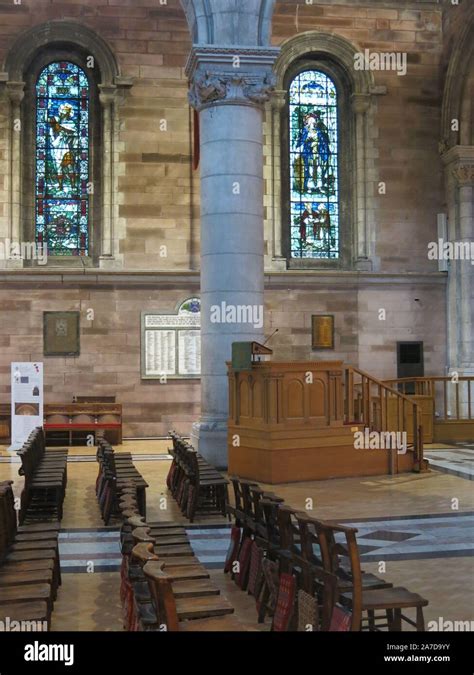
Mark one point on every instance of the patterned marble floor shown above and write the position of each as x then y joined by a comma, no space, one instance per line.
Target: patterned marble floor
406,521
457,462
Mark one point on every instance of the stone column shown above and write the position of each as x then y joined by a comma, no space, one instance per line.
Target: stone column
15,93
459,163
278,102
464,176
107,98
362,245
228,87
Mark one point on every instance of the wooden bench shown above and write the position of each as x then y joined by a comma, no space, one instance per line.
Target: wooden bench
29,566
196,485
45,473
167,544
117,472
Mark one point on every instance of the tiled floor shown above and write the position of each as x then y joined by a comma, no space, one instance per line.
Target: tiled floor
455,461
420,527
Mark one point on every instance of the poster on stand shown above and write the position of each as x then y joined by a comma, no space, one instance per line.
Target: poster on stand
27,401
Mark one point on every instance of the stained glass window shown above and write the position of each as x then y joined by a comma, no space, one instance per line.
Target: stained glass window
314,193
62,159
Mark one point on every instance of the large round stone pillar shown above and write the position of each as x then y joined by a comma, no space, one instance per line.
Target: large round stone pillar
228,88
459,163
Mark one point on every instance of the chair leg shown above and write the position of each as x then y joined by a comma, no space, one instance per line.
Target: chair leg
371,619
264,595
397,621
420,619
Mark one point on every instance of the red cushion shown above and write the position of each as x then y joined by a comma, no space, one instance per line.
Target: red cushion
285,602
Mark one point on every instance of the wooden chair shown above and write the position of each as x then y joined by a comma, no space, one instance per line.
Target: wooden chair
360,600
174,614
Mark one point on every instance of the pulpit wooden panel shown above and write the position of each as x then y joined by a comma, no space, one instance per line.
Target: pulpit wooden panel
289,419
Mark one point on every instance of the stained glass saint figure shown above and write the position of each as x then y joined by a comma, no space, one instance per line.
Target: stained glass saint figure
314,166
62,159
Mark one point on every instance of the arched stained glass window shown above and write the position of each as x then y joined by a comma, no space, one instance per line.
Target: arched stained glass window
314,190
62,160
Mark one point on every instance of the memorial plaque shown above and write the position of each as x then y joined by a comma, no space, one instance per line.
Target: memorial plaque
322,331
171,343
189,350
61,333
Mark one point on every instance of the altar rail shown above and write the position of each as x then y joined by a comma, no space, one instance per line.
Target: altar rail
447,402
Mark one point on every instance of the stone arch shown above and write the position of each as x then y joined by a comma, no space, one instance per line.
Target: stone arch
57,33
333,46
457,90
234,22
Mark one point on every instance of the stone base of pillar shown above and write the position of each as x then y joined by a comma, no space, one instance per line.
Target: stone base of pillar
279,264
364,265
108,262
210,438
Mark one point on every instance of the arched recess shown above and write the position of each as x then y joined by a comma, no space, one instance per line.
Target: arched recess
336,56
229,21
458,89
33,49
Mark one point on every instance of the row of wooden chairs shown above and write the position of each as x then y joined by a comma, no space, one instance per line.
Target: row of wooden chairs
45,473
299,567
116,470
196,485
164,587
29,566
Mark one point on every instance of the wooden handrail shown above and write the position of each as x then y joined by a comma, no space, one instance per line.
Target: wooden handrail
360,408
452,404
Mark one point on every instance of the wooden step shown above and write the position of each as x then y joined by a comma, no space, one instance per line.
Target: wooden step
167,551
183,572
192,588
200,608
27,593
9,576
180,560
25,611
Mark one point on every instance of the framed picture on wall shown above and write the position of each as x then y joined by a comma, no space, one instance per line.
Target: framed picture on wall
322,331
61,334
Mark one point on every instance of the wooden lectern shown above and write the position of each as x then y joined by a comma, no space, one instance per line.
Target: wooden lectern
286,423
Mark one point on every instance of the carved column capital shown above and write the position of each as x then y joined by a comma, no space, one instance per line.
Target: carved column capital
226,76
360,103
278,99
15,91
464,175
107,94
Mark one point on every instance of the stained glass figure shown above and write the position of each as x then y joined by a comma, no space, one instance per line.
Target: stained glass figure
62,159
314,193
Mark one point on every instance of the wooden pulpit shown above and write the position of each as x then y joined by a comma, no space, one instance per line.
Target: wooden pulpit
286,423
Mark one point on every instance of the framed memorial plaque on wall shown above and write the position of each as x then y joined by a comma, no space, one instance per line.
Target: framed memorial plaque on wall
171,343
322,327
61,333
